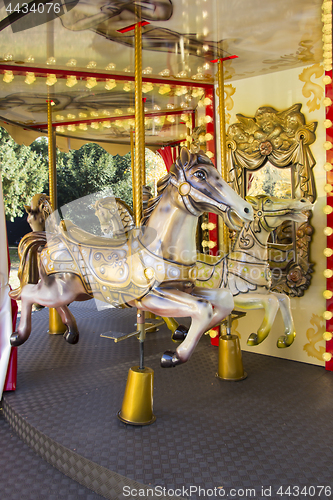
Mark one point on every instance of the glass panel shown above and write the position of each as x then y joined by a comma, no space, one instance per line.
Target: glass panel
269,180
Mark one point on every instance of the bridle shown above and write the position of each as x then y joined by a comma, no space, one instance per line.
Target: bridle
261,214
189,193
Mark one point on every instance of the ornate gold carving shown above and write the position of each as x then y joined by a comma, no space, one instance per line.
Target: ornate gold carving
310,87
229,91
315,335
279,139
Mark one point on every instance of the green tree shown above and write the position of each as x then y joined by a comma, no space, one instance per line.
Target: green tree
89,170
23,174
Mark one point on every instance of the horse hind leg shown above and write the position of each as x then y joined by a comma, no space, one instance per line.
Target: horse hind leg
71,334
251,301
289,335
24,328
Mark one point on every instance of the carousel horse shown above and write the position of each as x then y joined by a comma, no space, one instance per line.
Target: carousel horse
153,268
245,270
38,211
114,215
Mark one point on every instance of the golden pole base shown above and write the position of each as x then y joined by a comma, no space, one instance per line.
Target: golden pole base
137,407
230,366
56,326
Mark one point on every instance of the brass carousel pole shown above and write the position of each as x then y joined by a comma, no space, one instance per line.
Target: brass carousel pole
230,364
56,326
137,406
222,228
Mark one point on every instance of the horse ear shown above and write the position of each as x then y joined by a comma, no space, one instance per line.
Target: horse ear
185,156
27,209
252,199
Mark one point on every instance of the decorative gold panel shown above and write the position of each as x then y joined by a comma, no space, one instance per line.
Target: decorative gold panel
270,154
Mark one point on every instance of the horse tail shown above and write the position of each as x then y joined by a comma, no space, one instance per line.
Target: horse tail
28,252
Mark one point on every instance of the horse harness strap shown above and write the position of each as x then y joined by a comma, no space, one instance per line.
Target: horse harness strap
261,214
186,190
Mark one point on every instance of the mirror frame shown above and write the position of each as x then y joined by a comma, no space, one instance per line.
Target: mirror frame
283,139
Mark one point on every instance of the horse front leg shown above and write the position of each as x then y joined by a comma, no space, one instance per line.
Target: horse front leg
170,303
268,302
289,334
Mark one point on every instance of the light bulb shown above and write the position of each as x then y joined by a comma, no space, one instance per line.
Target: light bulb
71,80
91,82
51,80
327,336
110,84
30,78
8,76
327,356
327,315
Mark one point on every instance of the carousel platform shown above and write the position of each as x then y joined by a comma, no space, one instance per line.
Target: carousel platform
211,438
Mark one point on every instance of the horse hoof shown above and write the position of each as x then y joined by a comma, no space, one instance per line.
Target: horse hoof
71,337
253,339
16,339
285,341
179,334
169,359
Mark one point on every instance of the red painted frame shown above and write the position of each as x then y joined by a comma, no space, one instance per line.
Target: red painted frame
329,158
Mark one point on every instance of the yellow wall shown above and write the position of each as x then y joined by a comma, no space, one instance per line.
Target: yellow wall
281,90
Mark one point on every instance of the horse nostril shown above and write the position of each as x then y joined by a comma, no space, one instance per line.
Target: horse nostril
246,210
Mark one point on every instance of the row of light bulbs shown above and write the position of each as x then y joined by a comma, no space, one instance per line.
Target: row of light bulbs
110,84
328,231
200,75
327,34
125,124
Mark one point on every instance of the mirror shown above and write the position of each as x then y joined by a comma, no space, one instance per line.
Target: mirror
270,154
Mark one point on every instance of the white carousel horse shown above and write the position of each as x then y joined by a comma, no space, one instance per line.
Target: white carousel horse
245,270
155,274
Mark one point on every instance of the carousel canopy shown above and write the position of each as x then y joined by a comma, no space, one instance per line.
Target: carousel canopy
80,54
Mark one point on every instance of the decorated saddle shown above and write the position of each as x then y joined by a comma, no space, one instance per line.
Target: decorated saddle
116,271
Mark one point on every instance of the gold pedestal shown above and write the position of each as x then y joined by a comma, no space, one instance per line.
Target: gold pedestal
56,326
230,365
137,407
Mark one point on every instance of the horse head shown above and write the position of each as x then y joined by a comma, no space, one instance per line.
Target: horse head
270,212
38,211
202,189
107,213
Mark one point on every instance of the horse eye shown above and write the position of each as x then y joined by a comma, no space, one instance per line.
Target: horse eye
200,174
267,202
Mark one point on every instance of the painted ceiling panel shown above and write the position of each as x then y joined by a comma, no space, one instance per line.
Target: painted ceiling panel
179,43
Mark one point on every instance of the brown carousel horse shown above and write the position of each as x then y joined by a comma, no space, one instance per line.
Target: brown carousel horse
153,269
